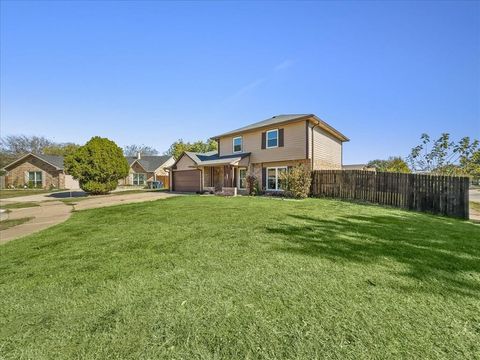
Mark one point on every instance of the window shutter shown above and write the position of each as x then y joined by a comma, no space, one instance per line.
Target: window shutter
280,137
264,178
44,179
235,175
264,140
25,178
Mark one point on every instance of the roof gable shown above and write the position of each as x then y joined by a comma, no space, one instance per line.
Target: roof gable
54,160
149,162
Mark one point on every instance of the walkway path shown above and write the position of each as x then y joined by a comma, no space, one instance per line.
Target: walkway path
51,213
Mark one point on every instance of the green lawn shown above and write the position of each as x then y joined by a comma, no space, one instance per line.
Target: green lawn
6,224
20,205
475,206
5,194
243,278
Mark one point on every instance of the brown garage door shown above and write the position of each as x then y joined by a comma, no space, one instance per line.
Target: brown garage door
187,180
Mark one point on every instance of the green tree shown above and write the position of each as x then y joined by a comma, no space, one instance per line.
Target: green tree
180,146
392,164
97,165
444,156
63,149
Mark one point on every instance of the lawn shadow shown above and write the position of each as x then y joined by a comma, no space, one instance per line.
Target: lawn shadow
440,251
67,194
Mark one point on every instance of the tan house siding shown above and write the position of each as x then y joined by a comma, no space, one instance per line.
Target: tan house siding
327,150
51,177
294,144
163,170
185,163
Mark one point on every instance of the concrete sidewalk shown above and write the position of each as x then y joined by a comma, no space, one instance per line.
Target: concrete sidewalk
47,214
51,213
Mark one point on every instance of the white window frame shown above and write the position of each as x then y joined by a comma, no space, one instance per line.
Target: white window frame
241,144
266,139
239,179
276,177
138,184
35,179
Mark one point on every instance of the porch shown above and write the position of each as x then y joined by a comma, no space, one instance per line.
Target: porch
225,179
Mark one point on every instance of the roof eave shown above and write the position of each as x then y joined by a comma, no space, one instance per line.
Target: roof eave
23,157
235,132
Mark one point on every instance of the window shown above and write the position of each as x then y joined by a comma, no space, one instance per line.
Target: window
237,144
272,138
242,178
35,179
274,181
139,179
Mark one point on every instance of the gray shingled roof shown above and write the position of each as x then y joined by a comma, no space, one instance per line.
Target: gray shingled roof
149,162
213,158
281,119
273,120
55,160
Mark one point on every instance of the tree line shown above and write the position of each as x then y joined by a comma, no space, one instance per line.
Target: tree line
442,156
14,146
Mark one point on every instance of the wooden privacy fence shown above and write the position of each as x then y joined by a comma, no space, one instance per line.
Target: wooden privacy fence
445,195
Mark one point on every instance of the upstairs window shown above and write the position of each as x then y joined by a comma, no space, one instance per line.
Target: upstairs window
237,144
272,138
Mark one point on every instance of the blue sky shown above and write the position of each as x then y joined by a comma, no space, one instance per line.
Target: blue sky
152,72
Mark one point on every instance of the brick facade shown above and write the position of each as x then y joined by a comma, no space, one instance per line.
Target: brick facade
51,177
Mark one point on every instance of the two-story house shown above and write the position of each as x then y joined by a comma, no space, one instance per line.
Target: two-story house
264,149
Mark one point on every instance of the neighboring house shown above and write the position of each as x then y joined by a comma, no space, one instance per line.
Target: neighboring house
146,169
39,171
358,167
47,171
264,149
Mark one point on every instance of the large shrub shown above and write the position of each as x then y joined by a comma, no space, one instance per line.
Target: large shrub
297,181
97,165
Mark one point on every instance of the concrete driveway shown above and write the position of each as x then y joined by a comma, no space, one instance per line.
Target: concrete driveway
51,213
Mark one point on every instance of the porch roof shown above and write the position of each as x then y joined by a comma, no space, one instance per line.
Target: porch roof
212,159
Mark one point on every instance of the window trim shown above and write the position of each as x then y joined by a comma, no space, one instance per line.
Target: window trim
239,178
145,179
241,144
276,177
35,179
266,139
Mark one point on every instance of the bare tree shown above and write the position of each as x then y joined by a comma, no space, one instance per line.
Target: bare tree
133,150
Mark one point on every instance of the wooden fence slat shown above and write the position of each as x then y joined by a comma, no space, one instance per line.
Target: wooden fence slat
446,195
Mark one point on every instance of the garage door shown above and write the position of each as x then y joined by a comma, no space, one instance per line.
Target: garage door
188,180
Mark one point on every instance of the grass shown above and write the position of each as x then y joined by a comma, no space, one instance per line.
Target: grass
6,224
5,194
475,206
243,278
19,205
